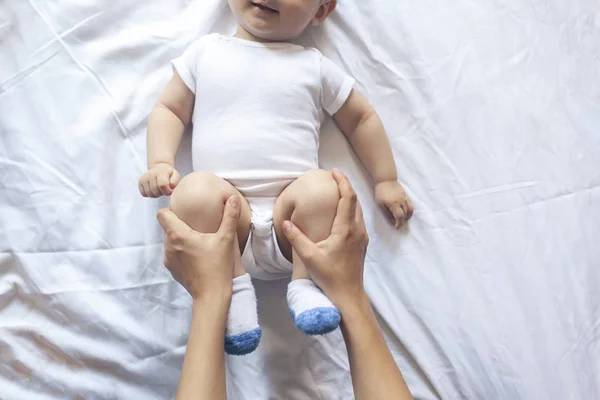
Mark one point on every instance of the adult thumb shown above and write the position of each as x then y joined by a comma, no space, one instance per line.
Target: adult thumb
231,216
303,245
169,221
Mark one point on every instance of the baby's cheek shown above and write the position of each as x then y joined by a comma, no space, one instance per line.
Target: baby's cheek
298,15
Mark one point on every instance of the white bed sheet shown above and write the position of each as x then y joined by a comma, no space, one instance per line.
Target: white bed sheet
491,292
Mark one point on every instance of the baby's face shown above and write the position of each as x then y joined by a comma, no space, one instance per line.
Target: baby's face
279,20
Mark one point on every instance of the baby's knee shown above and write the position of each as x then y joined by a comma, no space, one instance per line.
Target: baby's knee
199,200
319,194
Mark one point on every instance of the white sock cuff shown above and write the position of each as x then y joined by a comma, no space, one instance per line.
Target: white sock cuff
242,311
304,295
241,283
301,284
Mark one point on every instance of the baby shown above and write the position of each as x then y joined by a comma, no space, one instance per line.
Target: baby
256,103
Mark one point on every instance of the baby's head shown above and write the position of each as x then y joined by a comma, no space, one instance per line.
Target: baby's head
280,20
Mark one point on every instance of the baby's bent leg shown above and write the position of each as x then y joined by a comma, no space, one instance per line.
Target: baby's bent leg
311,203
199,200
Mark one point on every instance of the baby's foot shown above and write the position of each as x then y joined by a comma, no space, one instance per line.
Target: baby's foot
243,333
311,310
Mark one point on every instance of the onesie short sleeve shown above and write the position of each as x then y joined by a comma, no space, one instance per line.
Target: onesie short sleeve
186,65
336,86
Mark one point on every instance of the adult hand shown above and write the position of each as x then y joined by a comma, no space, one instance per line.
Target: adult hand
336,264
202,263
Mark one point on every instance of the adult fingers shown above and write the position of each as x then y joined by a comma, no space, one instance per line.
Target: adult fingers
360,228
164,186
231,216
170,222
305,248
359,220
346,211
398,213
174,179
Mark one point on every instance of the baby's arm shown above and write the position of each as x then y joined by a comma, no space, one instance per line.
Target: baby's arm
363,128
171,114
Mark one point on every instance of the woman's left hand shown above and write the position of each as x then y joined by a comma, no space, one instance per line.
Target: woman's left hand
202,263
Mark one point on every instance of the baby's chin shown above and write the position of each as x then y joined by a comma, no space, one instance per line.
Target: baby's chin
268,33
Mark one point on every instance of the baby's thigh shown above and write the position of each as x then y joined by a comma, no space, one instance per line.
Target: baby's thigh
311,203
199,200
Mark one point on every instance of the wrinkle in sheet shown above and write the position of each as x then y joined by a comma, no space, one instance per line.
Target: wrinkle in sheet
537,203
5,27
97,289
94,77
419,369
66,33
89,250
57,359
96,331
498,189
428,339
8,84
53,171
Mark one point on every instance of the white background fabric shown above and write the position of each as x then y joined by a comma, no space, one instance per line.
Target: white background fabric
491,292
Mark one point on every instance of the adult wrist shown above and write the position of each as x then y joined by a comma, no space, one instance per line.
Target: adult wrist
215,299
351,302
356,312
211,310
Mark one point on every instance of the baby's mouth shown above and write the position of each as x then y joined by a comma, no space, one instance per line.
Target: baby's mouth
264,7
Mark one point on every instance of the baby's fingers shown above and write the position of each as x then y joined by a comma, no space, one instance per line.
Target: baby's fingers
153,187
404,206
163,184
141,188
145,188
398,213
409,209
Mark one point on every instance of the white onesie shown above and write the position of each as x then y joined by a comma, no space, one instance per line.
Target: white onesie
256,122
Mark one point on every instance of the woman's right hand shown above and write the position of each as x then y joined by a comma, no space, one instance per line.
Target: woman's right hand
336,264
159,180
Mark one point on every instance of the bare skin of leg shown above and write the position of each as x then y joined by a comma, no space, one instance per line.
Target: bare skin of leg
199,200
310,202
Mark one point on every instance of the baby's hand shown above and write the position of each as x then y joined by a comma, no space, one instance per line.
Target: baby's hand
391,195
160,179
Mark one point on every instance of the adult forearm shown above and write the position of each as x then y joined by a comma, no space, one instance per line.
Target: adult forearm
165,131
371,143
375,374
203,374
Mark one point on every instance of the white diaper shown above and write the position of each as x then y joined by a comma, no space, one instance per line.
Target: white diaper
262,258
